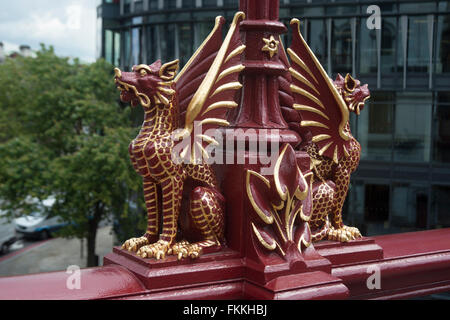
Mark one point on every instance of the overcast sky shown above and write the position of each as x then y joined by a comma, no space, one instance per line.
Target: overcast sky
68,25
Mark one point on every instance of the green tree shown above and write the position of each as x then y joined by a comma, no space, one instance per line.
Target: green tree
63,134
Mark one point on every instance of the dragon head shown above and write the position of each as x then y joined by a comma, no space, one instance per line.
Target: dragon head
352,92
147,84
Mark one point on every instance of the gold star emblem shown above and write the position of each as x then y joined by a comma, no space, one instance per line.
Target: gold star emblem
271,46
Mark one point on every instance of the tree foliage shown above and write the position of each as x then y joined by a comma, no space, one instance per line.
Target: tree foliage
64,135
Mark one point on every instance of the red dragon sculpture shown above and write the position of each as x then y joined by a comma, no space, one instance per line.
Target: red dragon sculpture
180,108
318,109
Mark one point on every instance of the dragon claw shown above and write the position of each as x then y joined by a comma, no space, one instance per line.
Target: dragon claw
185,249
133,244
159,250
155,250
344,234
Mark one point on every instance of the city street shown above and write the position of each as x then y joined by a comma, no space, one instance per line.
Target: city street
54,254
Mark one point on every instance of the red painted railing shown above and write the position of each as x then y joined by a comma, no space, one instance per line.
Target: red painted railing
409,265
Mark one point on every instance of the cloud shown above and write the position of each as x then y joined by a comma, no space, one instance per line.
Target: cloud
69,26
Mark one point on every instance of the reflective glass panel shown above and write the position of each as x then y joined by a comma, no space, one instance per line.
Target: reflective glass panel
375,127
153,4
136,46
317,39
151,44
127,49
116,49
388,40
126,6
109,46
341,46
368,49
442,129
418,44
441,203
417,7
209,3
185,42
412,126
443,44
167,42
409,206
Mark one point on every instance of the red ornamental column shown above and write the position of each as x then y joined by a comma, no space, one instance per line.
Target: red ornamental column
260,106
259,117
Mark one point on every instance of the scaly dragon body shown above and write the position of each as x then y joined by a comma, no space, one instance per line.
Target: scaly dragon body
171,145
319,111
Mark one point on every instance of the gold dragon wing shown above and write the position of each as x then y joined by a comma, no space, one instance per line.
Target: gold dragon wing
323,110
207,87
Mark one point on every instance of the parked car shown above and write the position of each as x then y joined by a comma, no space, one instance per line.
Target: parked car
37,225
7,234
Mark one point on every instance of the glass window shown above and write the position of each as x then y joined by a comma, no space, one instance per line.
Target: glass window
368,50
442,129
388,41
158,17
209,3
185,43
170,4
313,11
153,4
418,44
417,7
341,10
355,209
136,34
376,205
188,4
152,43
443,44
375,127
127,49
412,126
441,203
384,7
109,46
409,206
341,46
116,49
317,38
168,42
136,20
202,30
138,6
400,47
204,15
444,6
230,3
126,6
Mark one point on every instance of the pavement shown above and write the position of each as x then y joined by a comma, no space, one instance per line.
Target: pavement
55,254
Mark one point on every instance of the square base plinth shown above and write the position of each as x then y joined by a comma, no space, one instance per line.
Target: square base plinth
221,275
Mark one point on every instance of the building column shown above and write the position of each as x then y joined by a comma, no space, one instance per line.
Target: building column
353,32
430,48
404,23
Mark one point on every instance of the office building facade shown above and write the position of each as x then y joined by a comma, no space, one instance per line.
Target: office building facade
403,182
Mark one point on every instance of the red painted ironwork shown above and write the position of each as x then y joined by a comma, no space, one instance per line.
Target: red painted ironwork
411,265
268,252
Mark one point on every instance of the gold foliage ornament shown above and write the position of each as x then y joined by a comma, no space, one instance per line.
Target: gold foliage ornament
282,204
